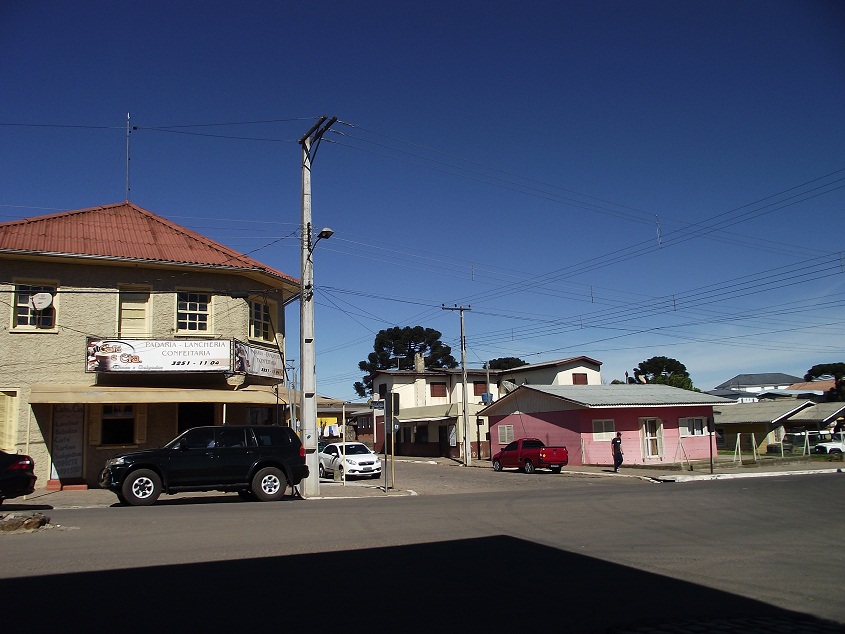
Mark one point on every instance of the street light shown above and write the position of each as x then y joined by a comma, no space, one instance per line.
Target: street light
326,233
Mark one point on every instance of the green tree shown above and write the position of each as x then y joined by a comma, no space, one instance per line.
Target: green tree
664,371
394,348
504,363
837,371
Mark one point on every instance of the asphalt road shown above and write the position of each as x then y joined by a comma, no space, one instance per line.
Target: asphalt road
474,551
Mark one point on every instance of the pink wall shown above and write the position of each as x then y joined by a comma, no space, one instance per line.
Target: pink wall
570,427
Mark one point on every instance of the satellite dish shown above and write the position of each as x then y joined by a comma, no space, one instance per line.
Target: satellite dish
508,386
40,301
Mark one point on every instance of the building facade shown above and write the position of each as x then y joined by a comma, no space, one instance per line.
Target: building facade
123,329
659,424
429,418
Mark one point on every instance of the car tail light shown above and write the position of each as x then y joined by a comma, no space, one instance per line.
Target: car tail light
301,451
23,463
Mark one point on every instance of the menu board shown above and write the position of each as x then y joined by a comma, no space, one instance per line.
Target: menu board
68,428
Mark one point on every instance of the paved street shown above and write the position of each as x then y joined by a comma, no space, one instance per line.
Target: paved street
590,553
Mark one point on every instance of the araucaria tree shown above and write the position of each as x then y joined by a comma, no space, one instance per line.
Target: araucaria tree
396,347
504,363
837,371
664,371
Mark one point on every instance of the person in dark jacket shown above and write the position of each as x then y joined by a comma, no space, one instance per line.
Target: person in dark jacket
616,448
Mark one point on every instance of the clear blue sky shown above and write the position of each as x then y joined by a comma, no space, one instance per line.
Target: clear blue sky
620,180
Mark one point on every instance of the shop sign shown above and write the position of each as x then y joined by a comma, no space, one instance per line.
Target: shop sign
156,355
258,361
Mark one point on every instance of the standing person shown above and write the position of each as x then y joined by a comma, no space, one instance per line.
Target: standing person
616,448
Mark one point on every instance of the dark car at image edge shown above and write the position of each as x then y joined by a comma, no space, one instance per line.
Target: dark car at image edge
17,475
256,461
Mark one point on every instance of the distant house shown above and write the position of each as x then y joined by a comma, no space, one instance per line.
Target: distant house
817,417
759,382
817,391
330,418
752,426
659,423
431,416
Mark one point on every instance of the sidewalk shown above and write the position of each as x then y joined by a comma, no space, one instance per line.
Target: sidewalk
723,469
42,499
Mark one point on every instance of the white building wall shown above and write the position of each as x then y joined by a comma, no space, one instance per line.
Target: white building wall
561,375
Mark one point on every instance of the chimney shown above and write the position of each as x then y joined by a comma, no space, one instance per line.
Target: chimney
419,362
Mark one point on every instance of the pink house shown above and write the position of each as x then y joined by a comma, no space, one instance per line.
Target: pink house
659,424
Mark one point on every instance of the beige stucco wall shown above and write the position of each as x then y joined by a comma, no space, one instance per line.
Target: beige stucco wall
560,375
86,304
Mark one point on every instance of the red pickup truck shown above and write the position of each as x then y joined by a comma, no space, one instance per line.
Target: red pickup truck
528,454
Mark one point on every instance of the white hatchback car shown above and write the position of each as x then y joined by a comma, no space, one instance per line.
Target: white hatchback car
353,458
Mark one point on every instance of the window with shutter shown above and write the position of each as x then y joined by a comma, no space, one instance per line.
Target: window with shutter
505,434
134,312
8,407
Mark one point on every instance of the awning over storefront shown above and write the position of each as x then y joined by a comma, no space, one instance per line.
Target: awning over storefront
434,413
249,395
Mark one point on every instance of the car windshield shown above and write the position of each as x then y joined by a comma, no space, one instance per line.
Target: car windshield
351,450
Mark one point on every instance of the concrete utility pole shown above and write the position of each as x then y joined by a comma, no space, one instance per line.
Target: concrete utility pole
307,365
467,458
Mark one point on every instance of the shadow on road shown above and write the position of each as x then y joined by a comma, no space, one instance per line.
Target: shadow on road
478,585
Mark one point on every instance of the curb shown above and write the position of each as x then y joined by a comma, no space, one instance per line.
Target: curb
734,476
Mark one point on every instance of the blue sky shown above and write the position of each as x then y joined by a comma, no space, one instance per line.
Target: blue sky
620,180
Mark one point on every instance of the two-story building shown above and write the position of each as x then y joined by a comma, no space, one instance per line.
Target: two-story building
124,329
431,403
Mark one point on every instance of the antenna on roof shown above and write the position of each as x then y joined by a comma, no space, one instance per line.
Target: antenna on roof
127,157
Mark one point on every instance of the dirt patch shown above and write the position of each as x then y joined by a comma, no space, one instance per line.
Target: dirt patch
23,522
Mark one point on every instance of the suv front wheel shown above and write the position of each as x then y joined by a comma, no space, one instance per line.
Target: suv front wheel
141,488
269,484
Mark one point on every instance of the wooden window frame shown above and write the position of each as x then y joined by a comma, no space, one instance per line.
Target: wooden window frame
36,320
189,298
262,325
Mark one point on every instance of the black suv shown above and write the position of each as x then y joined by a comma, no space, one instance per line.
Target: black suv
256,461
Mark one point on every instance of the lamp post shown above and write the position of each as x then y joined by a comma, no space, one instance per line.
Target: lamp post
310,486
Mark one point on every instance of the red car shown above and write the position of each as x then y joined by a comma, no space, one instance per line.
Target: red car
17,475
528,454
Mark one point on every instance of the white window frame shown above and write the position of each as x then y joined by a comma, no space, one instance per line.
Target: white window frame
693,426
652,445
24,290
193,297
505,433
265,322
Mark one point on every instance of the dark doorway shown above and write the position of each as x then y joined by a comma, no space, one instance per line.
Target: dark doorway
443,440
195,415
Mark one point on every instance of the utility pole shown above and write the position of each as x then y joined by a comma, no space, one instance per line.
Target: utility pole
290,364
127,157
461,309
307,365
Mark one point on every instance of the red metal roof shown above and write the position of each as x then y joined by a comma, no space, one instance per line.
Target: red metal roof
123,231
